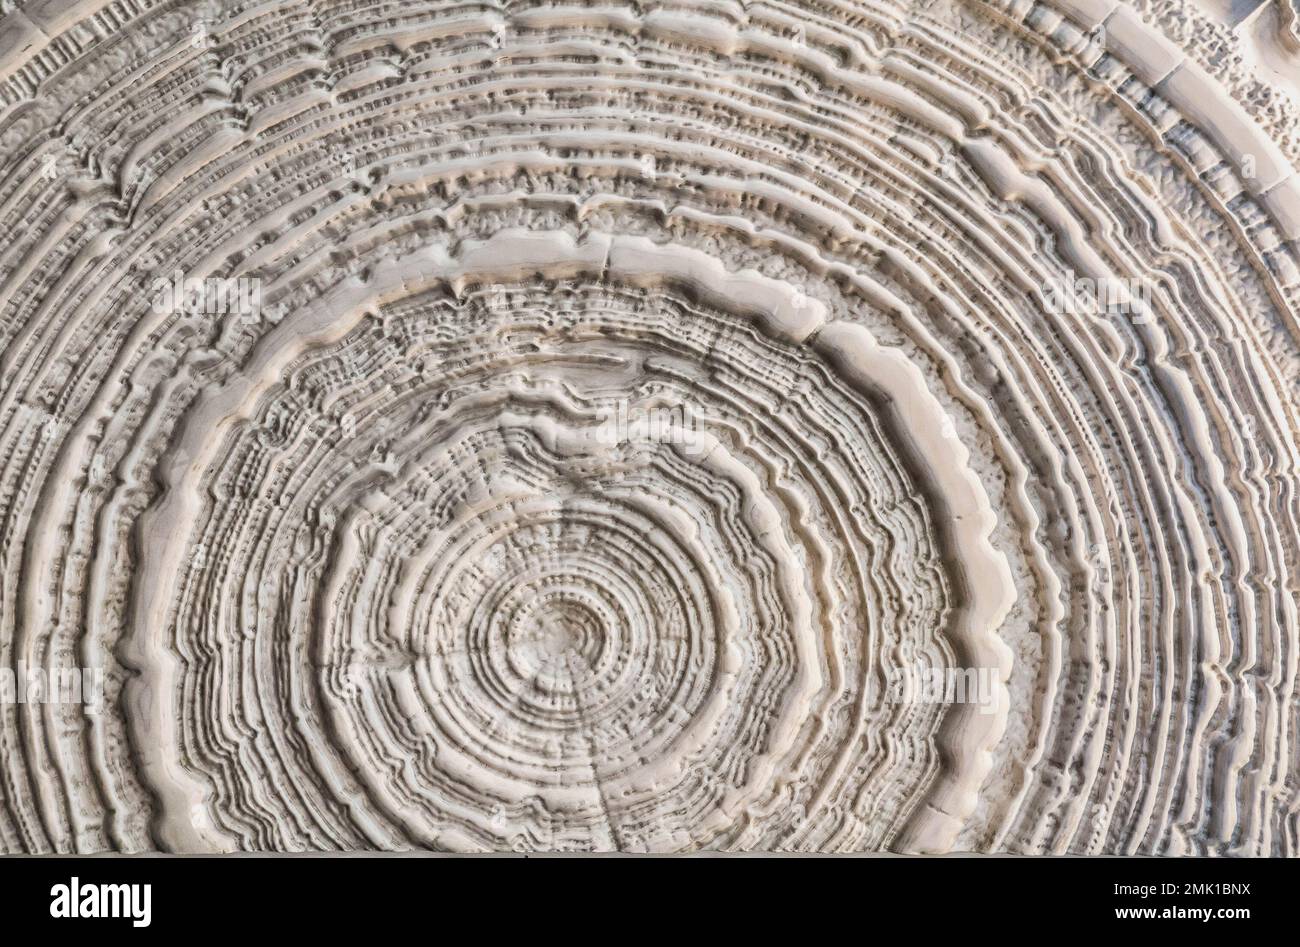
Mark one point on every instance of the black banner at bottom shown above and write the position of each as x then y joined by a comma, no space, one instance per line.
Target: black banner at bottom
771,895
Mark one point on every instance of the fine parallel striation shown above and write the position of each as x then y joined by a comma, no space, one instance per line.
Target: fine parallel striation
560,426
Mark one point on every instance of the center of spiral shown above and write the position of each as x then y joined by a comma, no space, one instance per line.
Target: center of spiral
563,630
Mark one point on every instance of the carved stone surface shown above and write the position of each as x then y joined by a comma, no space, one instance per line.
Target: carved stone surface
818,426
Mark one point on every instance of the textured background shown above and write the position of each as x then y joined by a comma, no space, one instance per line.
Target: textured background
623,398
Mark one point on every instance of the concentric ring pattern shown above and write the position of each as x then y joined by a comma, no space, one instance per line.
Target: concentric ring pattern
560,426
